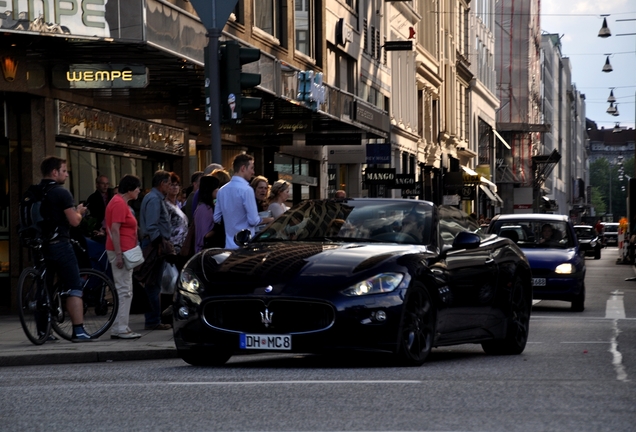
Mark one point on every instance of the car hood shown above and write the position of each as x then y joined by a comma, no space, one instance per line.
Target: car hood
549,258
294,268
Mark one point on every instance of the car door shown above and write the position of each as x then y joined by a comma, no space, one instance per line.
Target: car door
471,276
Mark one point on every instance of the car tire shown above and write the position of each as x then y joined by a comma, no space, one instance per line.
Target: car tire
205,357
417,329
518,325
578,303
597,254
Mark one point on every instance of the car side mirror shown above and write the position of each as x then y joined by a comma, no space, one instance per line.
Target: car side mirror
243,237
466,240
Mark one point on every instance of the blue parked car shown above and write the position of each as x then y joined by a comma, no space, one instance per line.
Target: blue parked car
553,251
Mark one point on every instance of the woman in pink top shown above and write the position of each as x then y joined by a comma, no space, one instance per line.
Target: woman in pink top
121,230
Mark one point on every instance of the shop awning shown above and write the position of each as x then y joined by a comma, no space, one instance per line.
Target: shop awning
491,195
493,187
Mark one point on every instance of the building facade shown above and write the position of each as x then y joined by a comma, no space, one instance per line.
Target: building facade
483,103
411,89
519,119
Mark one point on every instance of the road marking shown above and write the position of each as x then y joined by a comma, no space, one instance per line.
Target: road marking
617,357
298,382
587,342
615,308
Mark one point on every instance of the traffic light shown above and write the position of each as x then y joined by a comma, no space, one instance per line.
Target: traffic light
310,89
232,80
305,86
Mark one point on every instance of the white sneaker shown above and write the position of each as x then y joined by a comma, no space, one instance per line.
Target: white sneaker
129,335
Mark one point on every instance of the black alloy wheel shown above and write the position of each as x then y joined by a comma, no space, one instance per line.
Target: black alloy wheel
417,329
518,323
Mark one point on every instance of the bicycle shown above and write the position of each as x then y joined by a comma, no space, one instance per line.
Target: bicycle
42,308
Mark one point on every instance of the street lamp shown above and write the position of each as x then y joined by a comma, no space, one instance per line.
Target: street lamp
607,67
604,31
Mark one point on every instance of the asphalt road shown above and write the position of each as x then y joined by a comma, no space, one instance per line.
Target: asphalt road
577,373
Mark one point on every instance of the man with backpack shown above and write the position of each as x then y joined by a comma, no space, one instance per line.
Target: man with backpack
59,212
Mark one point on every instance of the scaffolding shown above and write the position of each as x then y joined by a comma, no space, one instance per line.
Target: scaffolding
519,119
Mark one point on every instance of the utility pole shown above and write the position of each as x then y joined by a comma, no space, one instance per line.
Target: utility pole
214,14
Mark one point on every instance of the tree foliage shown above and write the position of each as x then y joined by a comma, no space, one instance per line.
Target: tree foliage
597,201
602,176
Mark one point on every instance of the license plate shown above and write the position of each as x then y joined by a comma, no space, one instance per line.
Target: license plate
538,281
265,342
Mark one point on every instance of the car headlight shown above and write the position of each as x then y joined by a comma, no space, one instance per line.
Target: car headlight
189,282
565,268
381,283
593,243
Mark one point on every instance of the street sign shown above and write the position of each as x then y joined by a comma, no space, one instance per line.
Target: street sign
380,176
214,13
404,181
379,153
398,45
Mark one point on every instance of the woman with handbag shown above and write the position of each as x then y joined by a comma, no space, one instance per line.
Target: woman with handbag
207,233
121,229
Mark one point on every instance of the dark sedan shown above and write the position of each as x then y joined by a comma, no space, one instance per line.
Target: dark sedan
386,275
552,249
589,240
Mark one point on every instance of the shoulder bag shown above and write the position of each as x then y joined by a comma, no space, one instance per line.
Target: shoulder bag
133,257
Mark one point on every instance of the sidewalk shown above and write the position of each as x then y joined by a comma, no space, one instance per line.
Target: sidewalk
17,350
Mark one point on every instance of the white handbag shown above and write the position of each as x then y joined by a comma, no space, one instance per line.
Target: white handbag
133,257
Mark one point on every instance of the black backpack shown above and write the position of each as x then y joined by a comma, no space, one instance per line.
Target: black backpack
33,224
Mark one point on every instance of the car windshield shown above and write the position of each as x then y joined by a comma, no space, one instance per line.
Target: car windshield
610,228
536,233
585,232
407,222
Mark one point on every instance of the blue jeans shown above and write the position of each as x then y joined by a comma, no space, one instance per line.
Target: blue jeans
61,260
153,289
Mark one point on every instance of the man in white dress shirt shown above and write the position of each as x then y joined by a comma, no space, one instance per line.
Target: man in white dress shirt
235,202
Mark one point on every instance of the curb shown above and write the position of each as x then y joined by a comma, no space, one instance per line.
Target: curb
86,357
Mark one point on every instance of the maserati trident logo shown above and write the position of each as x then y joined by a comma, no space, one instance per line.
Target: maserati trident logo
266,317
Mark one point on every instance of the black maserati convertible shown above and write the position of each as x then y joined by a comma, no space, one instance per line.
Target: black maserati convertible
386,275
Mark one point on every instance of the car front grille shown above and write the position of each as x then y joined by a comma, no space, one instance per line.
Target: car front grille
542,272
288,316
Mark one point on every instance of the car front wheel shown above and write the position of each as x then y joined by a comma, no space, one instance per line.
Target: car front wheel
578,304
518,323
205,357
417,328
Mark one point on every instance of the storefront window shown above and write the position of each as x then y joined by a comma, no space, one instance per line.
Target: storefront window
302,173
84,166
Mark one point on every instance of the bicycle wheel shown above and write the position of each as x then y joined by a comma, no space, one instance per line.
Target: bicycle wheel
100,305
33,306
